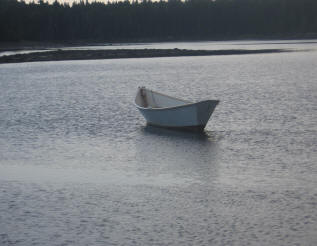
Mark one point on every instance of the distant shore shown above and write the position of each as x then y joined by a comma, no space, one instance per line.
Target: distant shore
63,55
36,45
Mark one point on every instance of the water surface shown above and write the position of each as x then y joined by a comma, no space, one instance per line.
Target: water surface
79,166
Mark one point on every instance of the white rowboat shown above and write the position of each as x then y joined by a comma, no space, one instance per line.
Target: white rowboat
166,111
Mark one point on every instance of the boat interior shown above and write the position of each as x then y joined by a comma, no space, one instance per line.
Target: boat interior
149,99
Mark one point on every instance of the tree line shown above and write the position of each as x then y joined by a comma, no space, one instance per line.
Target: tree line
159,20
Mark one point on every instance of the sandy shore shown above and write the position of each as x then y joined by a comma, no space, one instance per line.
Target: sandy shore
61,55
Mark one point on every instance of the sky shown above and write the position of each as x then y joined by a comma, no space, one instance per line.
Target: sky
67,1
71,1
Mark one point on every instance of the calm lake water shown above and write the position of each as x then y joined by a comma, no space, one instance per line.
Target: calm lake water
78,165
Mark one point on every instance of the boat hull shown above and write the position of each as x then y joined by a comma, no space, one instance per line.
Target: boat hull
186,117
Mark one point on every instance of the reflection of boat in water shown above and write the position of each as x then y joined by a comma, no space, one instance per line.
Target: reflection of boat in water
166,111
200,136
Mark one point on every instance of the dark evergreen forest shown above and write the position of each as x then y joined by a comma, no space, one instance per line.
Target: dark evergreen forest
163,20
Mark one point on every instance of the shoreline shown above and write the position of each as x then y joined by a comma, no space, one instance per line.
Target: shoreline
34,45
65,55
